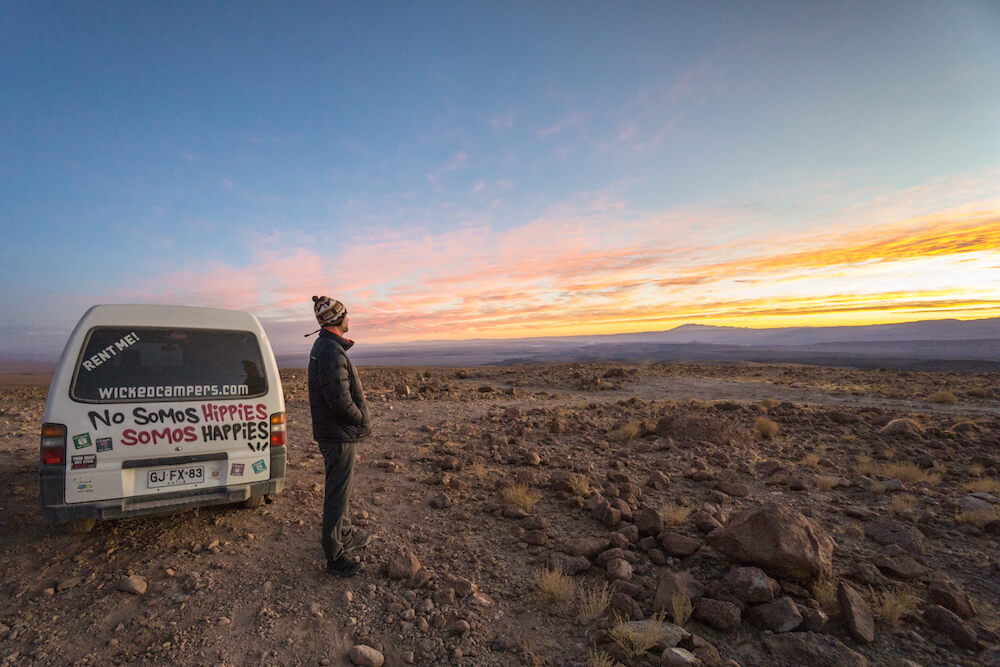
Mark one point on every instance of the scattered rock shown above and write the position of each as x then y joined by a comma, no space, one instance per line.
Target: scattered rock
679,657
751,584
587,547
812,649
133,584
779,539
403,565
567,563
361,654
950,625
857,613
675,582
618,568
943,591
886,531
718,614
682,546
780,615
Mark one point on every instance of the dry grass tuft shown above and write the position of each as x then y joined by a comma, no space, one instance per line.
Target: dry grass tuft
977,392
555,586
599,659
825,591
768,403
539,654
579,484
765,428
522,496
478,470
903,502
593,602
907,472
825,482
979,517
866,465
810,460
627,431
945,397
976,470
986,485
894,605
674,515
681,608
634,643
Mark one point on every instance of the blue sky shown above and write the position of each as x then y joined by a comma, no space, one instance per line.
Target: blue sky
496,170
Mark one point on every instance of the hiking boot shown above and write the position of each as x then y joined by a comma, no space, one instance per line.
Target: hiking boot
357,540
344,566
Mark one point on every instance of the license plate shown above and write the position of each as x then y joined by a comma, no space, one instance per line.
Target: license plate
176,476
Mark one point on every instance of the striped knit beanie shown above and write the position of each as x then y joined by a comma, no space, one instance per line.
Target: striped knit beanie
328,311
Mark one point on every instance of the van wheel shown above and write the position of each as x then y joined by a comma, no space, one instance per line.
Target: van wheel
253,501
80,526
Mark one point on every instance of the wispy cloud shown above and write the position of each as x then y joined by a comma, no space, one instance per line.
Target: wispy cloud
454,163
596,265
573,120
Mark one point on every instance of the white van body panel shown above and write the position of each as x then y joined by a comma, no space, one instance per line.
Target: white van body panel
135,443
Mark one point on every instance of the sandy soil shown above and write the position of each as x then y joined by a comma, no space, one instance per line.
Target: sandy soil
235,586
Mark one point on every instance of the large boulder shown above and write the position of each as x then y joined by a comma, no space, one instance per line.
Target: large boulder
778,539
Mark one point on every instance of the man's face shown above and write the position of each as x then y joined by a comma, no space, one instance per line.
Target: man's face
346,325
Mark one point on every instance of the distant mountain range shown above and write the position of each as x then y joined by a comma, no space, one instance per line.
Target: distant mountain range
969,345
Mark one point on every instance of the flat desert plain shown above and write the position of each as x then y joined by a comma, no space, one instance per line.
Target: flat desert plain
568,514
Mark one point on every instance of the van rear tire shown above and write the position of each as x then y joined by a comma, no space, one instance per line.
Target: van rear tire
253,502
80,526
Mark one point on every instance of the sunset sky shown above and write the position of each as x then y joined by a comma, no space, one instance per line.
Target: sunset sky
497,170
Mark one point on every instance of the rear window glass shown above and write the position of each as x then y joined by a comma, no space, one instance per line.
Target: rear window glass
125,364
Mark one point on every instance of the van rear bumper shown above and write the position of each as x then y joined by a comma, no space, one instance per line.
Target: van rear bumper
55,510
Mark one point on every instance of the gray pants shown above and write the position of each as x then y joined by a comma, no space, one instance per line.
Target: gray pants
339,458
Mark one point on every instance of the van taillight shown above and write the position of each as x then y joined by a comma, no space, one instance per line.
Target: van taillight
278,429
53,444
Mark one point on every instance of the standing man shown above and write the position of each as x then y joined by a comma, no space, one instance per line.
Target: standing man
340,419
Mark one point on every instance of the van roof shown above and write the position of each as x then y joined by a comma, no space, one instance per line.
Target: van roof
164,316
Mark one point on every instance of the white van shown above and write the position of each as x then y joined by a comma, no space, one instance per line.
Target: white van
155,409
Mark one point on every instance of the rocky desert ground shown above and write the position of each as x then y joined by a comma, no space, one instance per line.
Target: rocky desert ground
577,514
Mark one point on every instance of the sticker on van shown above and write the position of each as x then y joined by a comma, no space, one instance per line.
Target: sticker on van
259,466
236,470
82,441
84,461
104,444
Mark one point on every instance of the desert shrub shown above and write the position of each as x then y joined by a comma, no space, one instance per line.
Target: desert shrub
894,605
579,484
810,460
768,403
903,502
825,482
944,397
627,431
681,607
522,496
986,485
977,470
539,653
555,586
979,517
634,643
977,392
593,602
597,658
462,374
907,472
674,514
765,428
825,591
478,470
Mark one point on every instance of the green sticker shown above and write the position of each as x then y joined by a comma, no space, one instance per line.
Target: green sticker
81,441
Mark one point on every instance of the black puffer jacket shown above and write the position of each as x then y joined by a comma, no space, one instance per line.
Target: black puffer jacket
339,411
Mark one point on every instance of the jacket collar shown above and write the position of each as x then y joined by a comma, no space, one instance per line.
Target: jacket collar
345,343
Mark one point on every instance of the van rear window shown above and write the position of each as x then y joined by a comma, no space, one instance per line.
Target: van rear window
120,364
